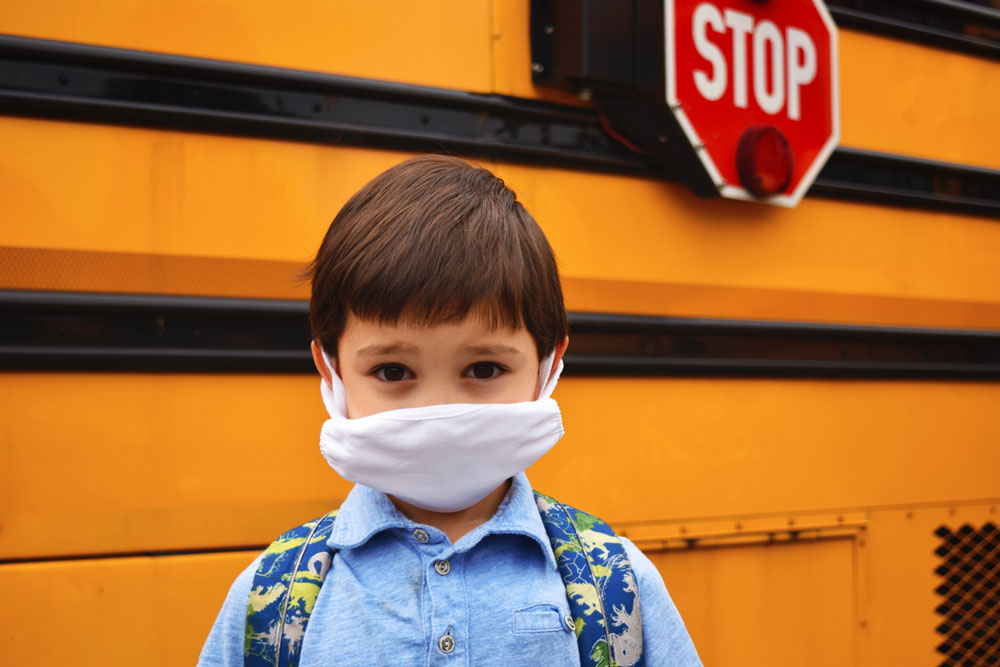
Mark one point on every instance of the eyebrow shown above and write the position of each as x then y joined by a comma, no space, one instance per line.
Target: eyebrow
385,350
492,349
376,350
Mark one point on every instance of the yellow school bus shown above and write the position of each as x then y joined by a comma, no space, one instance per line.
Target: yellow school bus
793,411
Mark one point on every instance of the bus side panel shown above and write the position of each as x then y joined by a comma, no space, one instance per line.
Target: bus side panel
120,611
165,203
146,462
759,605
432,43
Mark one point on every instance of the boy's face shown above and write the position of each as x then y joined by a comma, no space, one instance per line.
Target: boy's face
385,367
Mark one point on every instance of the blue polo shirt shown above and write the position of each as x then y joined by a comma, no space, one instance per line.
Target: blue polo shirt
400,593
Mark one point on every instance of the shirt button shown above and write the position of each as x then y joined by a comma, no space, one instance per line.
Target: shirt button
421,535
442,567
570,624
446,644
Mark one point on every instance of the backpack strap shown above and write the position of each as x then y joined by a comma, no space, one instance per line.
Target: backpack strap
284,591
600,585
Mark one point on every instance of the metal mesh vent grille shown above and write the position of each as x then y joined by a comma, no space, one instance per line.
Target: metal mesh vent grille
970,586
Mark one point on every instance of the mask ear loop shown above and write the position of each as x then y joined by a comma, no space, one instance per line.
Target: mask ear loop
334,397
546,383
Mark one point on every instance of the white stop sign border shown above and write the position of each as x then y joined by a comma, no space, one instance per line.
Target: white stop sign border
735,190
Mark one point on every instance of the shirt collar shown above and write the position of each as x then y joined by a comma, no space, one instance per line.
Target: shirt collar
367,512
363,514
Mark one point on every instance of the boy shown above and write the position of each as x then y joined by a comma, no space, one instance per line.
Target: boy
439,330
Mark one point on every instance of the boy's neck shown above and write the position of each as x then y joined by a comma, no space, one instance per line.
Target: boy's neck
456,524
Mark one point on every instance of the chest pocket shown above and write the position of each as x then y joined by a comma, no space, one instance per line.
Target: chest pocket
540,618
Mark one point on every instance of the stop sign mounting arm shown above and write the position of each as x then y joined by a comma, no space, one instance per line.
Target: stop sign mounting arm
646,121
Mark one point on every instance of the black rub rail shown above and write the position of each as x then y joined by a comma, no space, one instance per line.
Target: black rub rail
68,331
65,81
970,27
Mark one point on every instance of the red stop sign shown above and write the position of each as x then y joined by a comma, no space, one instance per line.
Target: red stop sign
750,69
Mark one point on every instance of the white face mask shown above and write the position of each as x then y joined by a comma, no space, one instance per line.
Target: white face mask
441,458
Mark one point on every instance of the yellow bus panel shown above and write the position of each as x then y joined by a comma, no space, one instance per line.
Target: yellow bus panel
121,611
172,194
435,43
759,605
175,461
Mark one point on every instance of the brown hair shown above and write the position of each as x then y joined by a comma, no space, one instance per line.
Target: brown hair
428,241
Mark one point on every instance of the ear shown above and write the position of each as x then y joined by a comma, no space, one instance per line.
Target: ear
560,351
321,366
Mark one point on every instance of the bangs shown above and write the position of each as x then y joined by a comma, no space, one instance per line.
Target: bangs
434,274
427,311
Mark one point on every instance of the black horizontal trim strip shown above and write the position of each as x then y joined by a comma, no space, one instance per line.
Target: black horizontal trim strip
119,358
130,554
790,368
645,324
97,302
947,24
78,82
66,331
882,178
69,81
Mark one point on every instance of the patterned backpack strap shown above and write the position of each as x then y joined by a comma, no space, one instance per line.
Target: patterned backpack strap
600,585
284,591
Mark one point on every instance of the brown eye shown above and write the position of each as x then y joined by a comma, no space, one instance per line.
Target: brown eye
393,373
484,371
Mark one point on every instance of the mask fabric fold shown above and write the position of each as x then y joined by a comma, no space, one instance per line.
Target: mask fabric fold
441,458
